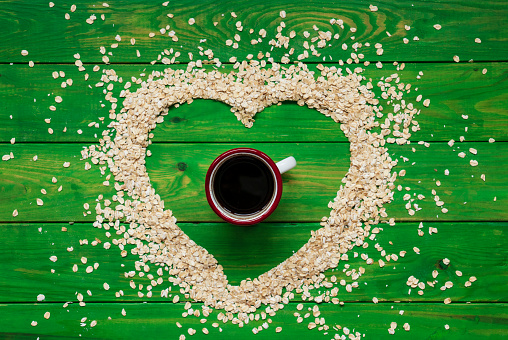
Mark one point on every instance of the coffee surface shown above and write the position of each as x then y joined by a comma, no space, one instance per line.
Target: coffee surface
243,185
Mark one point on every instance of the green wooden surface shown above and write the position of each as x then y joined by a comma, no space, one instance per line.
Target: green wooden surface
256,250
456,90
158,320
472,234
177,171
45,33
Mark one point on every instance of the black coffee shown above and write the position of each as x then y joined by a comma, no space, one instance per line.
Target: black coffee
243,185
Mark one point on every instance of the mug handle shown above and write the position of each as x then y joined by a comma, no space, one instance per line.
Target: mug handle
286,164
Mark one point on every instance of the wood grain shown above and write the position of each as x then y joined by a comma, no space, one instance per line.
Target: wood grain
472,234
48,37
177,172
454,90
479,321
479,249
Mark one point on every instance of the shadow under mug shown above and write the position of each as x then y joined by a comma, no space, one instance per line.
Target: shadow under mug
244,186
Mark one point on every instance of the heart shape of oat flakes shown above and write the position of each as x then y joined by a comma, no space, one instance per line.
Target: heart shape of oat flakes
153,229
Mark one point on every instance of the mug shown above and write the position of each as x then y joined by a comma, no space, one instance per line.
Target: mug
244,186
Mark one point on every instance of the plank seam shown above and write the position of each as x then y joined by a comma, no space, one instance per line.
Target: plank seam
231,142
274,222
182,302
147,63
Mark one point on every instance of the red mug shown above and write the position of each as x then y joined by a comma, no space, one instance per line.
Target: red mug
244,186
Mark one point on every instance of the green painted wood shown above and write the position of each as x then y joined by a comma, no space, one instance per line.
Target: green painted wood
48,37
478,249
177,172
454,90
475,248
478,321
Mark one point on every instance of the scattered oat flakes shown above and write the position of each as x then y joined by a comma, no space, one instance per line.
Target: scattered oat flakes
246,119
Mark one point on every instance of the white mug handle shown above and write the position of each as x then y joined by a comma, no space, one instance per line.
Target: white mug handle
286,164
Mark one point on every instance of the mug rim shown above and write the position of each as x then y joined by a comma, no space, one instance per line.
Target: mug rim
278,186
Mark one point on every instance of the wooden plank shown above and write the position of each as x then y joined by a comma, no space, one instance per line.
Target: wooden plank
454,90
480,321
48,37
479,249
177,172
